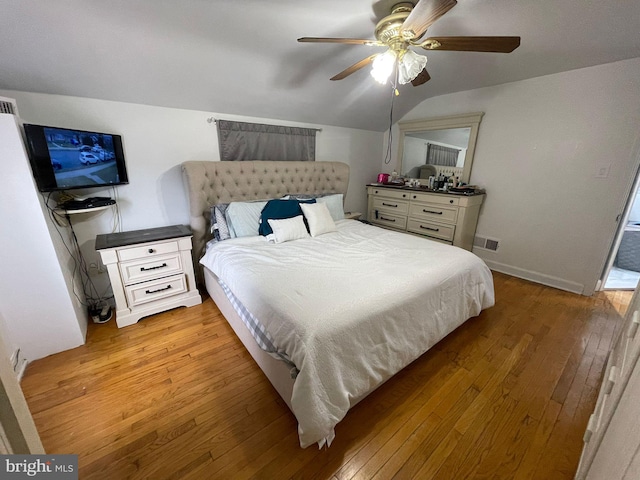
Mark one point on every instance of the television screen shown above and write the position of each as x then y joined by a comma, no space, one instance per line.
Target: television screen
64,159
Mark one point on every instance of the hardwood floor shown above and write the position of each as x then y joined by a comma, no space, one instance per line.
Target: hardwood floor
507,395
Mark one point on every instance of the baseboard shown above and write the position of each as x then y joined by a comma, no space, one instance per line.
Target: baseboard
536,277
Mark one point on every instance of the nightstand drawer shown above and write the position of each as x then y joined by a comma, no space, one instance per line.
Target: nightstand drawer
434,212
137,271
149,250
398,207
444,232
141,293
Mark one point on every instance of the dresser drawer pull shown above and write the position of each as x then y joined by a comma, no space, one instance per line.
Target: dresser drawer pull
429,228
143,269
608,387
149,292
431,211
635,322
151,250
390,205
387,219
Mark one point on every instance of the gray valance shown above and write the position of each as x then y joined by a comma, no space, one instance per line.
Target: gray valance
256,141
441,155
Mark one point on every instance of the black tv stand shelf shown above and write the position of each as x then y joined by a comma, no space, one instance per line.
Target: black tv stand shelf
87,203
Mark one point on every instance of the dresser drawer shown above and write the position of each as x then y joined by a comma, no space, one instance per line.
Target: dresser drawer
435,212
141,293
390,193
399,207
435,198
136,271
149,250
443,232
388,220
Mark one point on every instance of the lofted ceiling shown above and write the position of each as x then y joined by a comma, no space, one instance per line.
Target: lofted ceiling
242,57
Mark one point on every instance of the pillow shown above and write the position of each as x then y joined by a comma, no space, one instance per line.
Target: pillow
243,218
219,226
288,229
279,209
318,218
334,204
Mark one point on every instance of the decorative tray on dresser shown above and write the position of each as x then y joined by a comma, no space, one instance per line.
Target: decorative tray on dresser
446,217
150,271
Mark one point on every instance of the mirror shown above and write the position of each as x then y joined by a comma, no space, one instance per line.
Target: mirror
446,144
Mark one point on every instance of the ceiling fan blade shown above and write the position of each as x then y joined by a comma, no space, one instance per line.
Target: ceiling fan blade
354,68
472,44
423,77
423,15
352,41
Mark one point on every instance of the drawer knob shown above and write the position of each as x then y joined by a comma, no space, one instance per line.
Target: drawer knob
151,250
390,205
415,196
387,219
431,211
450,201
429,228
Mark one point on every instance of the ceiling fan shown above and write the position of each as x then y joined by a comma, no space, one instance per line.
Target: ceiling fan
404,28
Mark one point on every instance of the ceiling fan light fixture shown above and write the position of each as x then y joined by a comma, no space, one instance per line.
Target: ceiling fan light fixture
383,66
410,65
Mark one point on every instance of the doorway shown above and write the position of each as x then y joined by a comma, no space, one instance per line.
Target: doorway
623,268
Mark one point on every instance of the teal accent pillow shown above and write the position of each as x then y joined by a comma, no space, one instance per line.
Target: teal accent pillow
278,210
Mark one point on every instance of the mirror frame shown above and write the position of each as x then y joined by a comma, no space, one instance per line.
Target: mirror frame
467,120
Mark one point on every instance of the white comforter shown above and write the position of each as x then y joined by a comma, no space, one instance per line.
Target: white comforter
351,308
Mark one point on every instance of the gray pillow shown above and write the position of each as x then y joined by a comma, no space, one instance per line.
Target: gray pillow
219,226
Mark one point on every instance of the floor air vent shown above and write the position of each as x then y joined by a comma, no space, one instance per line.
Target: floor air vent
486,243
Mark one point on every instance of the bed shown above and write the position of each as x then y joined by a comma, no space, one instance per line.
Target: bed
344,310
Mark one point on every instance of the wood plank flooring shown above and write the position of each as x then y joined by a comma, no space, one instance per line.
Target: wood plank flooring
507,395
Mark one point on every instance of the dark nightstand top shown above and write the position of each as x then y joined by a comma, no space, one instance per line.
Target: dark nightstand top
112,240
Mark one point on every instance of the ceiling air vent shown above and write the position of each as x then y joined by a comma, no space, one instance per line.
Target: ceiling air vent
486,243
9,106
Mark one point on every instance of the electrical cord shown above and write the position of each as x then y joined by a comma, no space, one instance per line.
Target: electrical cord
92,298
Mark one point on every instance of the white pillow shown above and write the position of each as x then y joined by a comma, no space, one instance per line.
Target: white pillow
319,218
335,205
243,218
288,229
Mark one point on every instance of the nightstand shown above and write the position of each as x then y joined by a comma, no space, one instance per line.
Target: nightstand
352,215
150,271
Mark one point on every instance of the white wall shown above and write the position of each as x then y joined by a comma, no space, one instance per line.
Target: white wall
157,140
37,309
541,145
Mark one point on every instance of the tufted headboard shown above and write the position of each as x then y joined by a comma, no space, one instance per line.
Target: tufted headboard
210,183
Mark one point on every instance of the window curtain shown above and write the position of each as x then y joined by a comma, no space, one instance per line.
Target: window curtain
255,141
439,155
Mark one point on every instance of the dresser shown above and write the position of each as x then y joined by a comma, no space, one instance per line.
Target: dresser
444,217
612,438
150,271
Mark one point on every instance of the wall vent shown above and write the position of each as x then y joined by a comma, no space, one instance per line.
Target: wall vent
486,243
8,105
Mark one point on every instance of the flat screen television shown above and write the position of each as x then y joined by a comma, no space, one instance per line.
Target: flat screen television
65,159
